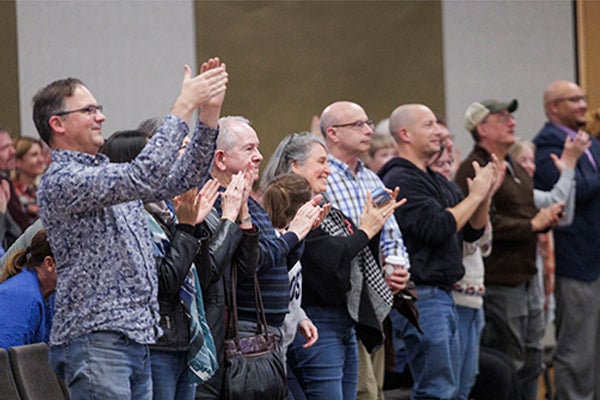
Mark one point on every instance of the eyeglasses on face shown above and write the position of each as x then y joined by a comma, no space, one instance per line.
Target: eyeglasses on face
356,124
503,118
90,110
572,99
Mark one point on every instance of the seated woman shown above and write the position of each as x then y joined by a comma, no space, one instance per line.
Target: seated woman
27,283
340,277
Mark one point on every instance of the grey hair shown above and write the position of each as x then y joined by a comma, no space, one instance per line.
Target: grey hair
293,148
226,140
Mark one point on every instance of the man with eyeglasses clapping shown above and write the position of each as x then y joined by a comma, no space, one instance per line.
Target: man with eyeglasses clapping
577,354
514,320
106,308
347,131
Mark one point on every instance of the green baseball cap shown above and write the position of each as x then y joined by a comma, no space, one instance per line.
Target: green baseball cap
477,111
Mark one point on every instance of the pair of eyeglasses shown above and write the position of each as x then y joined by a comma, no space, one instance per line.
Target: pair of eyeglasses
91,110
503,118
356,124
573,99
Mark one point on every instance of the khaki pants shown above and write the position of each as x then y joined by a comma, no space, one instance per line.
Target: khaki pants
371,371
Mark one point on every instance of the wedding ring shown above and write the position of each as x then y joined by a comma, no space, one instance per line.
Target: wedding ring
383,213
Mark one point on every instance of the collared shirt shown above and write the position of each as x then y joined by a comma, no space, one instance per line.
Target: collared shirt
93,214
347,191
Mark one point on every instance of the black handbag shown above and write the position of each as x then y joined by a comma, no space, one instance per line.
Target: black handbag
254,365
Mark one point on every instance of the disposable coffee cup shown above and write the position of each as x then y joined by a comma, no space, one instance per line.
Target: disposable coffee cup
393,262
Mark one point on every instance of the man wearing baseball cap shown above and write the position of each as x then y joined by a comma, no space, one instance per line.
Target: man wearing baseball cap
513,302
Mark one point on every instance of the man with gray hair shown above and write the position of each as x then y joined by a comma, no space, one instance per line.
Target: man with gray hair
237,151
513,301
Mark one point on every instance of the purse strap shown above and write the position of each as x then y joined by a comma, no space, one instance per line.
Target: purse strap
261,318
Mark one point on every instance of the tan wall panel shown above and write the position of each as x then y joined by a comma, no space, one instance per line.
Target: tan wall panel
588,37
9,84
288,60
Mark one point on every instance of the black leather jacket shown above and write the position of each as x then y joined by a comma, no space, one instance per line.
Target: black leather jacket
228,246
184,249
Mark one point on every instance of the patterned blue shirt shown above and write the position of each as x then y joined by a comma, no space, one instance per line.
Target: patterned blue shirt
93,214
347,192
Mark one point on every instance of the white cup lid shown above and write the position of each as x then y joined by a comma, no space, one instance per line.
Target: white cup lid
396,260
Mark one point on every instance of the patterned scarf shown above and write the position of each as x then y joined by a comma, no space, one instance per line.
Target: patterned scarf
366,277
202,355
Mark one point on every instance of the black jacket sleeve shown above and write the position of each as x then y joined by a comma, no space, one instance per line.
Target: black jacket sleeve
173,268
326,266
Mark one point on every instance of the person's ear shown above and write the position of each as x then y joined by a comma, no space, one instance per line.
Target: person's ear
219,160
56,124
404,135
481,131
295,167
49,264
331,134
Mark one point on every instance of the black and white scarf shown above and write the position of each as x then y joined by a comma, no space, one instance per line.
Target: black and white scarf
369,300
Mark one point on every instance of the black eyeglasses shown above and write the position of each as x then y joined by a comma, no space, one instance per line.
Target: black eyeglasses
574,99
93,109
356,124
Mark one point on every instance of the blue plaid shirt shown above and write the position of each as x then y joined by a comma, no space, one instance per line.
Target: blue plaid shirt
347,192
92,211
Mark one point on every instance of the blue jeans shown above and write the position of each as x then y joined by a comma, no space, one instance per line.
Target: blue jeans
434,355
104,365
328,369
470,324
169,376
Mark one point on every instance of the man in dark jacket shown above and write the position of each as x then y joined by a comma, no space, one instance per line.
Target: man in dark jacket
238,155
513,301
435,220
577,357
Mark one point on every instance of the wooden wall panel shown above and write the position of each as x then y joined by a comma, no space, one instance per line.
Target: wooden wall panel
588,46
9,71
288,60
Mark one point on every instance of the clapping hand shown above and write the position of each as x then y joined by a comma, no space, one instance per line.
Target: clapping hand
193,206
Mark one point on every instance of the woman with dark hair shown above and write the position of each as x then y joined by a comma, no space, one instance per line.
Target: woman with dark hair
176,245
345,295
186,247
27,283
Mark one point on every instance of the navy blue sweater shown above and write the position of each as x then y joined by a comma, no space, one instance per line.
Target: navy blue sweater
429,230
276,253
576,246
